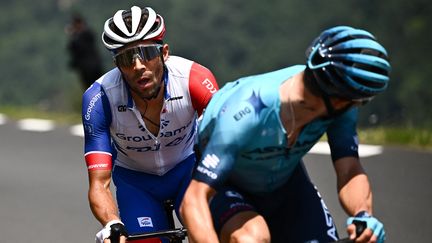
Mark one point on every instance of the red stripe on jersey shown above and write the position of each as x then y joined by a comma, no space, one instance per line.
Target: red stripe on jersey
202,86
98,161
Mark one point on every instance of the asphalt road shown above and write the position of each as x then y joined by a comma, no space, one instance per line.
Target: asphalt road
43,189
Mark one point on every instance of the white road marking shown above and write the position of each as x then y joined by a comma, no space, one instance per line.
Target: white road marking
77,130
41,125
364,149
3,119
36,125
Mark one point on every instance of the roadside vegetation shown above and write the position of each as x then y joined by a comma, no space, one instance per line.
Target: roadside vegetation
419,138
16,113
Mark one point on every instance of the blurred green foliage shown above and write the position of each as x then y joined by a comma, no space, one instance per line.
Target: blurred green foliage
233,38
411,137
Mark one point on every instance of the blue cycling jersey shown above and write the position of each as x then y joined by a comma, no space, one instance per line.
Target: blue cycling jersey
242,137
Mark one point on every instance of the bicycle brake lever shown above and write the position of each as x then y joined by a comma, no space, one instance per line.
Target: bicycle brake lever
360,226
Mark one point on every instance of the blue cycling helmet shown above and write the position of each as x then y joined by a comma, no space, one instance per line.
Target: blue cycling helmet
348,63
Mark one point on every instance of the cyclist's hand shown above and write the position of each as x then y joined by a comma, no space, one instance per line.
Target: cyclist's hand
122,240
113,232
374,231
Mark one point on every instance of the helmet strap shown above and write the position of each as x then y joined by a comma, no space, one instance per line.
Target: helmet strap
164,75
162,82
312,85
328,105
331,111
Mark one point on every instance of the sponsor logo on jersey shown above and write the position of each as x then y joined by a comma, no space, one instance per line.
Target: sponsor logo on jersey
137,139
147,137
145,222
329,220
88,128
163,124
356,142
240,205
234,208
155,147
233,194
223,110
257,103
97,166
207,172
242,113
175,98
210,161
92,104
176,136
209,85
121,108
265,153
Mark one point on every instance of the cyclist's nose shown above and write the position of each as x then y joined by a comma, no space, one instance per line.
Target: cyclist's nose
138,63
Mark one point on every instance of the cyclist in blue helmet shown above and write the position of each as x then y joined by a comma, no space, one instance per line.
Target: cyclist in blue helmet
250,184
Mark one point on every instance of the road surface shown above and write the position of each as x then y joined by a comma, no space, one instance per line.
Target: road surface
43,188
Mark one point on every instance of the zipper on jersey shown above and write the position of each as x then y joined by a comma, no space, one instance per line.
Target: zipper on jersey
141,121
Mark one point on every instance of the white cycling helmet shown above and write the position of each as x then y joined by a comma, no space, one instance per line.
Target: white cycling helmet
127,26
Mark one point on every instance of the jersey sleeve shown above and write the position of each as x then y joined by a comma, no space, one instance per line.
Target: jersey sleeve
342,135
217,158
96,118
202,86
222,138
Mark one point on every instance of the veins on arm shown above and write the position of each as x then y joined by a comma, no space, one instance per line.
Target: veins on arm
101,200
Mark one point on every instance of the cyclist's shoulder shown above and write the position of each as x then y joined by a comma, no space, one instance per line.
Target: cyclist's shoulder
350,116
276,75
174,63
109,84
182,65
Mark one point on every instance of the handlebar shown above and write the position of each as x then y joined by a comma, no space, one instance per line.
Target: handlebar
175,234
360,227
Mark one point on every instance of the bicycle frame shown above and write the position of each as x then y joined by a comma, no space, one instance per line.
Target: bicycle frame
175,235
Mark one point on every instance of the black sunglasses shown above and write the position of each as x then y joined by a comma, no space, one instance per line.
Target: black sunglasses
126,58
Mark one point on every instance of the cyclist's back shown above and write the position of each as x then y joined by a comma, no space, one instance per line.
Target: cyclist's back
255,132
262,165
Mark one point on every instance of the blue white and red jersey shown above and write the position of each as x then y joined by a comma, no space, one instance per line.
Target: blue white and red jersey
115,131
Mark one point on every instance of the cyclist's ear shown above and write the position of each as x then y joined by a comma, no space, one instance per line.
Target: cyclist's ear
165,51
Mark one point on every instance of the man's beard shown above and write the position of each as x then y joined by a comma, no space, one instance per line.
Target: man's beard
154,92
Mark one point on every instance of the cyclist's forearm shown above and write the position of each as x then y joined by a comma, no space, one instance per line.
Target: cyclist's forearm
353,186
199,228
356,195
196,214
102,204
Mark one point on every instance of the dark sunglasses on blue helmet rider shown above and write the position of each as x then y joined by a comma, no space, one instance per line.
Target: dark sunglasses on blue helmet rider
126,58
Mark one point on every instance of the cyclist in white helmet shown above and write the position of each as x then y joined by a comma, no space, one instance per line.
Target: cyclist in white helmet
140,120
250,184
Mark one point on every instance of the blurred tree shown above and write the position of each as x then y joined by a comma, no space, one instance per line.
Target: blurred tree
234,38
